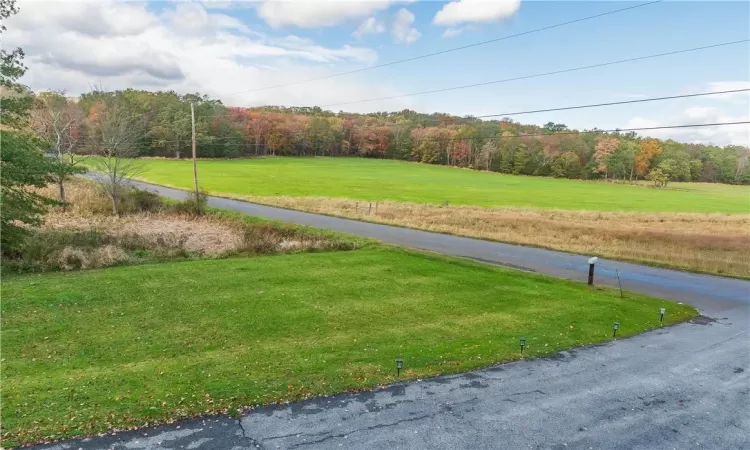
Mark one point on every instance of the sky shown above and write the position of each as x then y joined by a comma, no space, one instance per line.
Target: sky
229,49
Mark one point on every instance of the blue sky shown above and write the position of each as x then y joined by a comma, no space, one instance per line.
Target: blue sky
222,47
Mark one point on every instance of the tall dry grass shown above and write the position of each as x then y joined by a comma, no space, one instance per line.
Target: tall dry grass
90,210
709,243
86,235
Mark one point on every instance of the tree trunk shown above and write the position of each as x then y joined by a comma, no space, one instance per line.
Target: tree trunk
115,205
61,188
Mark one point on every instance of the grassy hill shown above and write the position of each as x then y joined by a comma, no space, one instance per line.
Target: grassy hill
371,179
700,227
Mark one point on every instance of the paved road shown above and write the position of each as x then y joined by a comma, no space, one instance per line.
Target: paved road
686,386
706,292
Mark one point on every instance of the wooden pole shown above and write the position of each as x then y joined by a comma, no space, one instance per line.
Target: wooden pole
195,164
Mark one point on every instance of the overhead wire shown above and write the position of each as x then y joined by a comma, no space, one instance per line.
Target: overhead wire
557,133
455,49
624,102
566,108
537,75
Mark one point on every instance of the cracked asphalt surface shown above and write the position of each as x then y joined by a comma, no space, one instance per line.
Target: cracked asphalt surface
677,387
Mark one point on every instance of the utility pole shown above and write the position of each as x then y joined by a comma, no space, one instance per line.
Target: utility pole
195,164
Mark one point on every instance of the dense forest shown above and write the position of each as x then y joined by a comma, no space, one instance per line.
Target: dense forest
159,124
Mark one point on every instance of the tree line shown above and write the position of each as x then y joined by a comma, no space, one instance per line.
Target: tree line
44,137
158,123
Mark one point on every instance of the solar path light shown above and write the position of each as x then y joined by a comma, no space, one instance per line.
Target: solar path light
399,366
592,261
523,344
615,327
661,314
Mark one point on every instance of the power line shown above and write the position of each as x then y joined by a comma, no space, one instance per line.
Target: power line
597,105
560,133
442,52
534,111
537,75
565,108
628,130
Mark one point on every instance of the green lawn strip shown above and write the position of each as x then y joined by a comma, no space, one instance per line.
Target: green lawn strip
86,352
344,239
371,180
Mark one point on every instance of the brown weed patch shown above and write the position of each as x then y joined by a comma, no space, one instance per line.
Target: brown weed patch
711,243
84,234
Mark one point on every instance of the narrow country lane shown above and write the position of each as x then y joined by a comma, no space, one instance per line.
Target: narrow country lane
686,386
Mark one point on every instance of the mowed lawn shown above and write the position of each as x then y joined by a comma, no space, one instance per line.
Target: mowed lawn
89,351
371,180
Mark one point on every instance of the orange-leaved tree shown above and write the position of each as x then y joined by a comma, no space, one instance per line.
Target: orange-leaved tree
649,149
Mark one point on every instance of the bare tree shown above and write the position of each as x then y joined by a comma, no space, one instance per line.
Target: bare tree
58,121
488,153
113,137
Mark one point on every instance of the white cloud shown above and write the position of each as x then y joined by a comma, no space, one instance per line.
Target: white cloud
116,19
221,4
310,50
735,97
370,26
452,32
402,30
698,115
193,18
318,13
701,115
475,11
184,48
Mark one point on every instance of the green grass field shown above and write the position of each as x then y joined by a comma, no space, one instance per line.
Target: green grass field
369,179
89,351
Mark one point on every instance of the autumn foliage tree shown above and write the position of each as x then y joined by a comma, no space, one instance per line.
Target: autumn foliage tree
648,149
605,147
494,145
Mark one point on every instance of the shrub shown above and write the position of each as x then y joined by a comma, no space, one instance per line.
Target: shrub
74,258
69,258
109,255
194,205
261,238
89,249
87,199
137,200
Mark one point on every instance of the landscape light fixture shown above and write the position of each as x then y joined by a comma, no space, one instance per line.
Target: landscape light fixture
661,314
399,366
615,327
592,261
523,343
